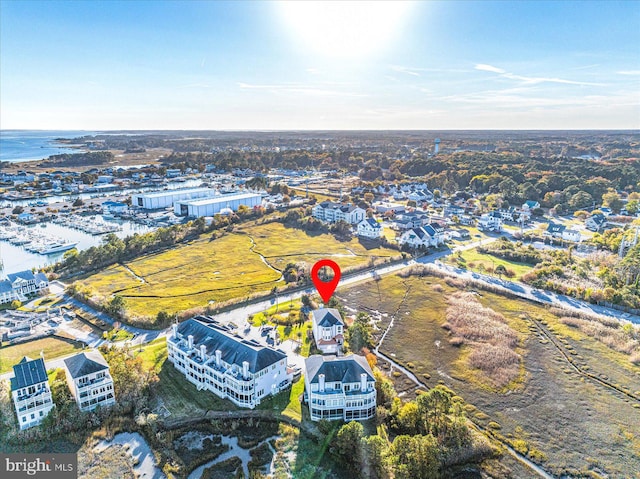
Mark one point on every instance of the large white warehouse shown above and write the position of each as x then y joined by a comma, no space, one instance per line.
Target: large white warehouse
213,206
163,199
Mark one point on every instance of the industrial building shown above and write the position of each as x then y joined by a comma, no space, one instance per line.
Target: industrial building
164,199
213,206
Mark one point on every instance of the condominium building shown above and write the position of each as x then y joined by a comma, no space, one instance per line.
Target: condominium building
339,388
214,359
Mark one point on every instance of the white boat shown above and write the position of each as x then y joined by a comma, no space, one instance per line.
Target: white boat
57,248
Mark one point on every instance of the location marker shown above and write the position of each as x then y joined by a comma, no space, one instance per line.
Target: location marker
325,288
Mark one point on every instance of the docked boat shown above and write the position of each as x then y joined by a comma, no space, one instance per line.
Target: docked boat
57,248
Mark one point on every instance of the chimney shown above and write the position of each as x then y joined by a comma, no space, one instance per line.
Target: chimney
174,330
321,382
363,382
42,355
203,351
218,358
245,369
190,338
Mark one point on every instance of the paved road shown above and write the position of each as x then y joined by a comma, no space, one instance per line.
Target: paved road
544,297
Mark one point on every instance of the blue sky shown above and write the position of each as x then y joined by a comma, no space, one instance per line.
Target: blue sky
354,65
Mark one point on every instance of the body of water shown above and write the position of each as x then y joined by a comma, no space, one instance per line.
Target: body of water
31,145
17,258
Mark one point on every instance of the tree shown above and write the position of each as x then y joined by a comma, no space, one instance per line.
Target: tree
347,445
581,199
359,336
116,306
368,197
415,457
500,270
78,202
508,188
612,199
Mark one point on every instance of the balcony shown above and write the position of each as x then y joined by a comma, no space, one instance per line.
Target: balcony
94,382
33,395
36,405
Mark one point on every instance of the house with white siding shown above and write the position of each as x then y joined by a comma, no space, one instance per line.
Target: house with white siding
18,285
331,212
491,221
89,380
31,392
328,330
370,228
423,237
214,359
339,388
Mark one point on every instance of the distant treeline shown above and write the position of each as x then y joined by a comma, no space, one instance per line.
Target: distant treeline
79,159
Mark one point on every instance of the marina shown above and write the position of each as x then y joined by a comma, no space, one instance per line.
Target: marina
35,246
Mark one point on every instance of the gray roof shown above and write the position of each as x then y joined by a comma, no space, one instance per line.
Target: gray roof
345,369
555,228
26,275
28,372
85,363
327,317
234,349
42,277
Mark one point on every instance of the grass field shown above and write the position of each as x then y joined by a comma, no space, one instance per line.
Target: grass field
52,348
472,259
206,270
281,245
552,413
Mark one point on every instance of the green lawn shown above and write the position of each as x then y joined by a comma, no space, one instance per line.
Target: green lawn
52,348
154,354
287,402
472,259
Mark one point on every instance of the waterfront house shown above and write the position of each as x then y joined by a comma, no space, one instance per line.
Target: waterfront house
18,285
328,330
31,392
89,380
214,359
339,388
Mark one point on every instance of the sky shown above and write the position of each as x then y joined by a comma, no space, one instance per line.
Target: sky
319,65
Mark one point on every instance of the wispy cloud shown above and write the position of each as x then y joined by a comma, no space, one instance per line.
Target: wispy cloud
298,88
406,70
629,72
489,68
530,80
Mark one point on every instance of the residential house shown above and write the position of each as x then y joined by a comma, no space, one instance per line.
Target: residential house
328,330
530,205
31,392
26,282
491,221
595,222
423,237
214,359
331,212
554,230
508,213
572,235
370,228
384,206
339,388
89,380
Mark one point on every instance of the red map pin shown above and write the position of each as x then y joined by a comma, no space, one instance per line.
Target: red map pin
325,288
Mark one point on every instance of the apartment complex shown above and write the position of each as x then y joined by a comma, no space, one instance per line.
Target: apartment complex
214,359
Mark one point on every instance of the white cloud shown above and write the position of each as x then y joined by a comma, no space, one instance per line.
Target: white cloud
408,71
531,80
298,88
629,72
489,68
